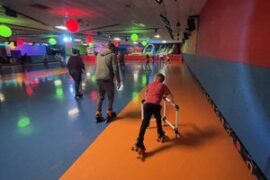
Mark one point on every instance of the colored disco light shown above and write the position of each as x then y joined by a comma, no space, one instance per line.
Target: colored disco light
72,25
29,90
59,92
93,79
134,37
20,42
5,31
144,43
89,39
52,41
135,96
68,45
94,95
144,80
23,122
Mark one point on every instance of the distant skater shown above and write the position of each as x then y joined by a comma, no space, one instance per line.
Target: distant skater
76,68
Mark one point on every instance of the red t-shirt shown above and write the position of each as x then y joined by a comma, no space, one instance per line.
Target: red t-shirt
155,92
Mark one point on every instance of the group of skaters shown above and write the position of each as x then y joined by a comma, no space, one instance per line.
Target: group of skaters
108,78
162,59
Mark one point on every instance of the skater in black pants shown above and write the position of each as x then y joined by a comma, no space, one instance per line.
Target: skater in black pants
76,68
106,71
153,95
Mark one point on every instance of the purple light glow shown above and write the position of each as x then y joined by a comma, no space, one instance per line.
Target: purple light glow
32,50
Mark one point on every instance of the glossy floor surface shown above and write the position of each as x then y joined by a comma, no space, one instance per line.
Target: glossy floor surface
43,129
204,151
47,134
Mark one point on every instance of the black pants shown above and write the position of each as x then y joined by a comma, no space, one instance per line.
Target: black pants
105,87
77,77
150,109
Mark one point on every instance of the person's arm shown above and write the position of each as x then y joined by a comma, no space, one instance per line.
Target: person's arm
82,64
68,63
168,94
116,70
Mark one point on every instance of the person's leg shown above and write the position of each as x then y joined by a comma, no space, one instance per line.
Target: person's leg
156,112
73,74
147,113
109,88
78,83
101,94
77,78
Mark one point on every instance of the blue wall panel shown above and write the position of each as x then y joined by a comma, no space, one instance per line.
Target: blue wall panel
242,94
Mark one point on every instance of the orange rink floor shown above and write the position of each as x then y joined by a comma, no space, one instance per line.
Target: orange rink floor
204,151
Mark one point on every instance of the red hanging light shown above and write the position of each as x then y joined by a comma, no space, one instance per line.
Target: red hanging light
89,39
20,42
72,25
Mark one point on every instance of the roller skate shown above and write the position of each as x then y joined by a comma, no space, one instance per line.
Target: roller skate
140,149
99,117
78,96
110,116
162,138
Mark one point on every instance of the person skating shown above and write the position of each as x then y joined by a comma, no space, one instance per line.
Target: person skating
153,95
76,68
107,71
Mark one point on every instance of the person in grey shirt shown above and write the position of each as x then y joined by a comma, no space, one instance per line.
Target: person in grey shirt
107,71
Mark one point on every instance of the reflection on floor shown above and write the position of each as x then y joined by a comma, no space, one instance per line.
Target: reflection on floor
43,130
204,151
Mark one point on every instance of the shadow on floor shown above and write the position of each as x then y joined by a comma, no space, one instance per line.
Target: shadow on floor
191,138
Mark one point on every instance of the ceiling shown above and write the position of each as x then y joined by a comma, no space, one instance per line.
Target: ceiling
103,19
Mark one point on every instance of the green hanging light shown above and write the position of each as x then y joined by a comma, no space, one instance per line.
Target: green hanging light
5,31
134,37
52,41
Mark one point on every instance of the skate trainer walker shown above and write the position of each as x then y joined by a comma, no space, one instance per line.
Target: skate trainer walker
166,102
140,151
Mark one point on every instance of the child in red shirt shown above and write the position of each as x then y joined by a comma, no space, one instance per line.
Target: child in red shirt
153,95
